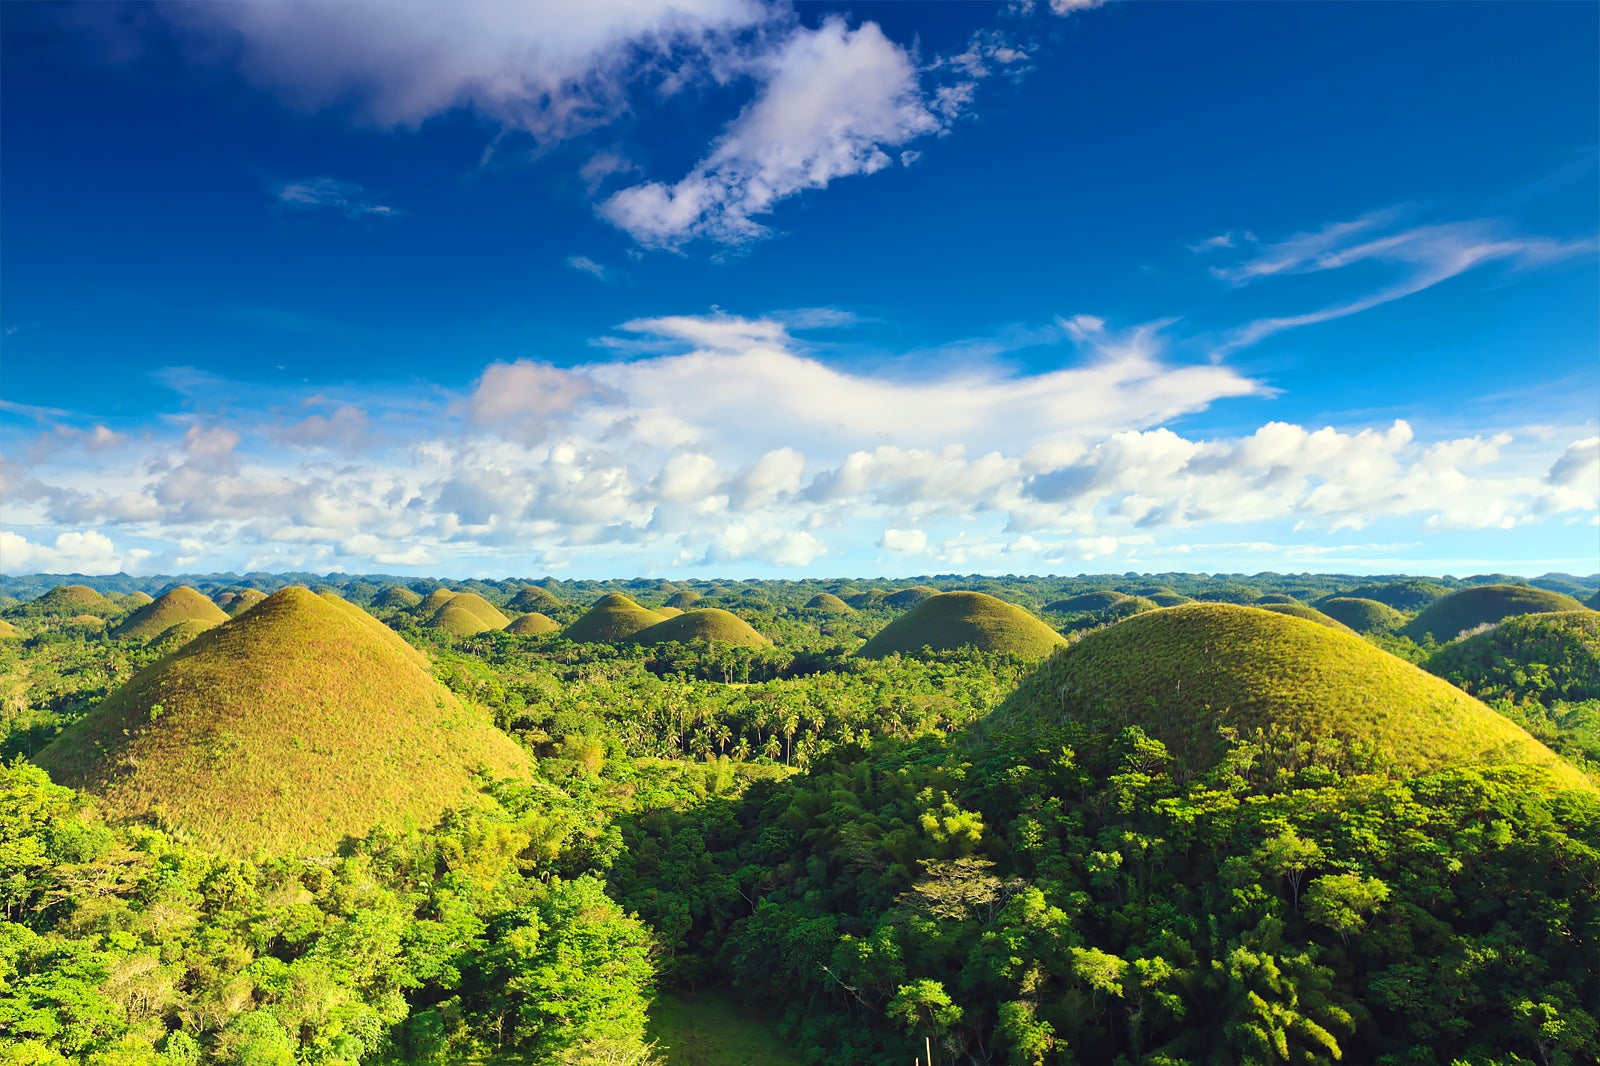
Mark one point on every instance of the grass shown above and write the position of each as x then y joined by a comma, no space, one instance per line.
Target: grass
1168,599
458,622
1087,601
134,600
9,631
706,623
1308,691
300,722
684,599
181,633
182,604
476,605
614,618
1362,615
954,620
531,598
665,612
397,596
1409,595
828,603
713,1031
865,601
236,603
1469,608
1546,656
430,604
66,601
1296,609
909,597
532,624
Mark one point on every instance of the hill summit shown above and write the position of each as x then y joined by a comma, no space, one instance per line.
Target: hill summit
181,604
951,620
299,723
1187,674
703,623
614,617
1469,608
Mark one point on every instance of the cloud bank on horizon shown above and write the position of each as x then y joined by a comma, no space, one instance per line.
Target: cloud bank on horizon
772,441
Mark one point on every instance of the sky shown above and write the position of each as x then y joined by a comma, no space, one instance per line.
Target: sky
726,288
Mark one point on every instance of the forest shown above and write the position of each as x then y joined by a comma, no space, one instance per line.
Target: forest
1367,833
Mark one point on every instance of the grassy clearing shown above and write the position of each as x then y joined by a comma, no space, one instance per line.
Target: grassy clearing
713,1031
707,623
1470,608
296,724
954,620
182,604
1310,692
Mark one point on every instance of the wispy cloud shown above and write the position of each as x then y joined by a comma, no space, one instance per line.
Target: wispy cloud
584,265
329,194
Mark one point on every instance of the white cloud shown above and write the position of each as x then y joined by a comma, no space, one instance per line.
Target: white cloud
904,540
78,552
833,100
584,265
327,194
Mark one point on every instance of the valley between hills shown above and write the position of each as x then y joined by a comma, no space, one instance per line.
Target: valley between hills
268,820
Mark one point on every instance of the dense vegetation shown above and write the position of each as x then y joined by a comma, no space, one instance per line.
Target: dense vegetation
1200,835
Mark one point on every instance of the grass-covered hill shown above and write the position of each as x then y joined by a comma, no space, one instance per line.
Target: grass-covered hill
237,602
1296,609
615,617
1593,602
1086,601
1407,595
1311,693
909,597
134,600
684,599
531,598
1275,597
954,620
458,621
478,607
1168,599
866,601
667,612
704,623
65,602
291,727
182,604
1469,608
8,631
397,597
1545,657
430,604
1363,616
532,624
828,603
179,634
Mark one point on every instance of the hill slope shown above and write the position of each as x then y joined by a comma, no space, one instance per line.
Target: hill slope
1185,673
532,624
828,603
909,597
66,601
479,607
1296,609
182,604
953,620
531,598
1363,616
301,722
705,623
1409,595
237,603
615,617
1472,607
1087,601
458,622
1547,656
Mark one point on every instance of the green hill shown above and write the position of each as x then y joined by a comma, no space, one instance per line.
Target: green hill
1593,602
290,727
865,601
66,601
684,599
954,620
9,631
181,633
134,600
532,624
909,597
1296,609
828,603
705,623
430,604
1409,595
238,602
666,612
1168,599
1274,597
614,618
397,596
530,598
1087,601
458,621
182,604
1469,608
475,605
1363,616
1185,674
1545,657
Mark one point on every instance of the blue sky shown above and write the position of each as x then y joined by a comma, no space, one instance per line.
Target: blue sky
720,287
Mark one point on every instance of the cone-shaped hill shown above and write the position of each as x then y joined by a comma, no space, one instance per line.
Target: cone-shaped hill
1168,599
532,624
396,596
434,600
472,605
182,604
530,598
1274,597
684,599
667,612
1409,595
237,603
1186,673
1469,608
294,725
458,621
1087,601
179,634
1296,609
135,600
614,617
706,623
1363,616
954,620
828,603
909,597
67,601
1547,656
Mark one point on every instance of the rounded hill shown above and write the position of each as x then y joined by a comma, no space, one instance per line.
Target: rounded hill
1087,601
1308,692
909,597
397,596
532,624
1168,599
1472,607
434,600
135,600
237,603
1548,656
954,620
531,598
9,631
297,724
1363,616
182,604
1408,595
684,599
828,603
458,622
614,617
1296,609
475,605
705,623
67,601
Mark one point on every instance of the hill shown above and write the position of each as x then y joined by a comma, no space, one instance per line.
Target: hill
828,603
1408,595
1296,609
66,601
180,633
614,617
1363,616
530,598
237,603
430,604
1469,608
397,596
684,599
1168,599
1087,601
458,622
1593,602
477,606
1545,657
532,624
705,623
301,722
1185,674
909,597
9,631
182,604
954,620
865,601
134,600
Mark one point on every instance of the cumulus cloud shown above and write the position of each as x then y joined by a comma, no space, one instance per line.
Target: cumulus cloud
77,552
904,540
